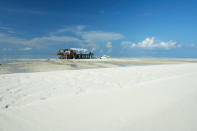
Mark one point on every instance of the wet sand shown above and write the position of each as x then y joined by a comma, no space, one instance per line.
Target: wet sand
44,65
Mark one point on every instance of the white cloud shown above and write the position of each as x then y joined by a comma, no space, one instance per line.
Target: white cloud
86,39
7,29
151,43
93,39
4,28
5,38
26,49
101,36
128,43
74,34
70,29
58,39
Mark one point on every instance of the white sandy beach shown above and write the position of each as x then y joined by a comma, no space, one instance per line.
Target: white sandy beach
136,98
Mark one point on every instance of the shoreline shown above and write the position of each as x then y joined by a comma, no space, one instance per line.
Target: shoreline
44,65
119,98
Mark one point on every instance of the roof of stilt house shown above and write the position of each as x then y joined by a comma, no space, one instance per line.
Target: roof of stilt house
74,50
80,50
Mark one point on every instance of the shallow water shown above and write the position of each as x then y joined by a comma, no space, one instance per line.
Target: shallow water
8,66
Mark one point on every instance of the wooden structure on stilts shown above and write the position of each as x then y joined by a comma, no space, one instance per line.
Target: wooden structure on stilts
75,53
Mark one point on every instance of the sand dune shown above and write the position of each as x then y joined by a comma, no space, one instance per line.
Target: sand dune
140,98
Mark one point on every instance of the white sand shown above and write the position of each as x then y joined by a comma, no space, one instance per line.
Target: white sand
138,98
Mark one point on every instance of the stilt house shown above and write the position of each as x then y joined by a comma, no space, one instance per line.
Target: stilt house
75,53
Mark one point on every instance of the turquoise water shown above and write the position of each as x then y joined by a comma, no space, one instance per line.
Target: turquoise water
8,66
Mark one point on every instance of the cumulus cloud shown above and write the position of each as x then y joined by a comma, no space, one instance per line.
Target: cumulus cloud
151,43
94,39
73,34
60,37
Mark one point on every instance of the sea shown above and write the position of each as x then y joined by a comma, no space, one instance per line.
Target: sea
9,66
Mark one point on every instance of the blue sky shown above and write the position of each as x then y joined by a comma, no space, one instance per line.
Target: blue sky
127,28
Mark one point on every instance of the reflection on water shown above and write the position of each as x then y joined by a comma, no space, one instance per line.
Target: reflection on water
39,65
